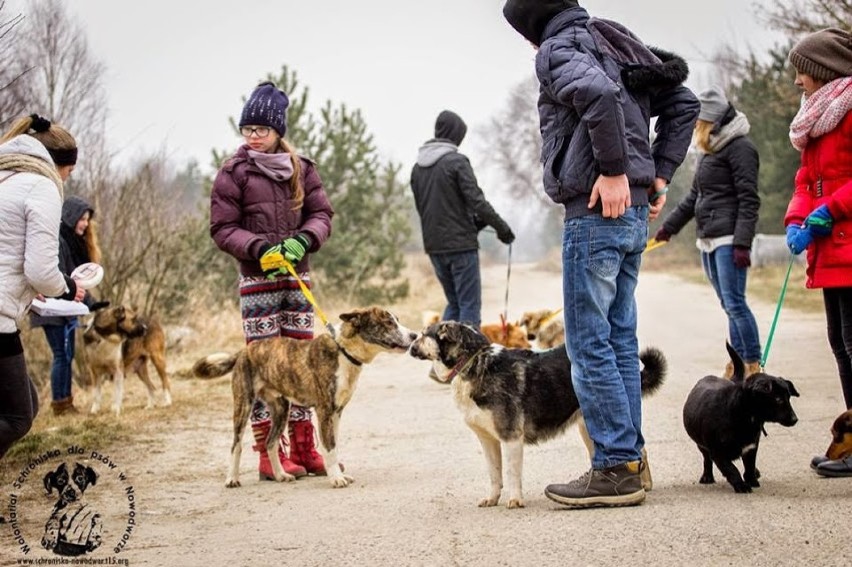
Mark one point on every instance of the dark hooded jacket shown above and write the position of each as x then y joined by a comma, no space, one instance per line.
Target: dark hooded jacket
599,88
72,252
451,205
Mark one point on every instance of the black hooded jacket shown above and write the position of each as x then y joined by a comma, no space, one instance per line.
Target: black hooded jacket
452,207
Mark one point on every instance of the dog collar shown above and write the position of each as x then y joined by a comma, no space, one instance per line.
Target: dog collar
348,356
464,363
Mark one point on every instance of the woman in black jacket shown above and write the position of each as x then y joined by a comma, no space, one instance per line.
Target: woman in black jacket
724,202
78,245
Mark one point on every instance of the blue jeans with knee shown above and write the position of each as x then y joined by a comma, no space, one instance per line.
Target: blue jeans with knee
458,273
600,269
61,341
729,282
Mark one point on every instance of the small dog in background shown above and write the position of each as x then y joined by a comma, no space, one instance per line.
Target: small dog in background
725,419
138,350
510,335
544,326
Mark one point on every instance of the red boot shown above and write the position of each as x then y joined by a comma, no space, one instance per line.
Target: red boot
303,450
261,433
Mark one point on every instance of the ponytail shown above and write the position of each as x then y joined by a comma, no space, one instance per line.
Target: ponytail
58,141
296,180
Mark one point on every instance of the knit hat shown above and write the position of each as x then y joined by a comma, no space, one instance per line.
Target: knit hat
530,17
450,126
267,106
824,55
714,104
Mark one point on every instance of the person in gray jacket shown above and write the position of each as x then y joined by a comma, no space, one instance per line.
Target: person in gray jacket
453,210
724,203
35,158
599,87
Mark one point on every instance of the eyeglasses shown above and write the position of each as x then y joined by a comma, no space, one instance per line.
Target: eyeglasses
259,131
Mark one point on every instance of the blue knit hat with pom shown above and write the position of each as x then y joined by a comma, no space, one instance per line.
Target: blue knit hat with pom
267,106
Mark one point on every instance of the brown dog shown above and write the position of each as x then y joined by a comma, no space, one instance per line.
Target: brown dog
841,437
104,340
151,345
509,335
321,373
545,326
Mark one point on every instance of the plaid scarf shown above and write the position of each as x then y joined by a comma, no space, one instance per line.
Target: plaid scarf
821,112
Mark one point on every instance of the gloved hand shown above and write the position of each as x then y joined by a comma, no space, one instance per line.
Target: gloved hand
662,235
294,248
742,257
506,236
798,238
820,221
271,259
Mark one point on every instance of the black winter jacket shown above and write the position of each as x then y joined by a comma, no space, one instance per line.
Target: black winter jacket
451,205
724,199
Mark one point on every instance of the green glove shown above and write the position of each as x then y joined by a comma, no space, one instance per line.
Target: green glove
294,248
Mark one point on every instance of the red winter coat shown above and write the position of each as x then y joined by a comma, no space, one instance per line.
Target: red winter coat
825,178
249,210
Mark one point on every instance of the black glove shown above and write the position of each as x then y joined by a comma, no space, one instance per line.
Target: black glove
506,236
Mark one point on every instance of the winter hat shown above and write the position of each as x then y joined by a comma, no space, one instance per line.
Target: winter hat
530,17
450,126
267,106
824,55
714,104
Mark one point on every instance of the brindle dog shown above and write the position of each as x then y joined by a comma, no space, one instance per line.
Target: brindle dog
321,373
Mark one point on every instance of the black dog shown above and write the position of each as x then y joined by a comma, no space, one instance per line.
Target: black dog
512,397
725,419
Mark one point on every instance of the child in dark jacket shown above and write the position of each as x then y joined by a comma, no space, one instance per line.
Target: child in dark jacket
268,200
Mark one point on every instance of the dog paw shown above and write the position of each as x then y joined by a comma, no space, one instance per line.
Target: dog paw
286,477
707,479
341,481
116,410
515,503
489,502
742,488
752,482
232,483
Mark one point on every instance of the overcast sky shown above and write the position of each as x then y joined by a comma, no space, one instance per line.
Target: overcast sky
176,70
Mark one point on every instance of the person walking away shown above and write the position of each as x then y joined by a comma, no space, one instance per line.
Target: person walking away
599,87
36,157
268,201
724,202
819,215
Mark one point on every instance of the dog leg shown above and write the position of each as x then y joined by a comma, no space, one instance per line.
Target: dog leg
142,372
159,361
732,474
707,475
750,472
279,413
645,472
494,460
584,435
97,394
118,391
328,422
242,409
515,472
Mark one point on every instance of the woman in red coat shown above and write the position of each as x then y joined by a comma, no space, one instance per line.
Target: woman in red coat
819,216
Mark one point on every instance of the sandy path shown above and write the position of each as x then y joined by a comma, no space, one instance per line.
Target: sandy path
419,471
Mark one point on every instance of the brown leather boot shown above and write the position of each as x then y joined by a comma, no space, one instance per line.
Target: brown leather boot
64,406
729,371
752,368
303,448
264,468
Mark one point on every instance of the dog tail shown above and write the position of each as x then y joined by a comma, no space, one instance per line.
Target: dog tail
215,365
654,369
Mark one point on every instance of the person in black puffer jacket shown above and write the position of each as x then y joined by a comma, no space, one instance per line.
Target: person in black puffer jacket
724,202
452,211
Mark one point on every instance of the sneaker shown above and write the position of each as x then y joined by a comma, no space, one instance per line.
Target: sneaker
838,468
614,486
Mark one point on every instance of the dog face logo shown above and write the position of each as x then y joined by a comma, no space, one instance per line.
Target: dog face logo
73,528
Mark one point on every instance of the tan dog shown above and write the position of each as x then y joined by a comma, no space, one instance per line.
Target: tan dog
104,340
510,335
137,351
321,373
545,326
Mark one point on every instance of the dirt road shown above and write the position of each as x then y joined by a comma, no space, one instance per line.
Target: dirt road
419,471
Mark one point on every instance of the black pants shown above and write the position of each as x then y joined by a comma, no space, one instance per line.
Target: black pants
838,315
18,396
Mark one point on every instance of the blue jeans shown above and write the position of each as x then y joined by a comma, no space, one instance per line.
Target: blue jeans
600,269
458,273
729,282
61,341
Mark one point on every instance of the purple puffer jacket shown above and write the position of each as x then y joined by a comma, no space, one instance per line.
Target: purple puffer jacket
249,210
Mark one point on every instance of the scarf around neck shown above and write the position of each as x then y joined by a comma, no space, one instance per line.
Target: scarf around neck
31,164
821,112
736,128
277,167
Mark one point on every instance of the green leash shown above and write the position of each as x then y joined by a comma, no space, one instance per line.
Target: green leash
777,312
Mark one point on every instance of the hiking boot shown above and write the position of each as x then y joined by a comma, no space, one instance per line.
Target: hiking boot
303,449
614,486
752,368
264,468
64,406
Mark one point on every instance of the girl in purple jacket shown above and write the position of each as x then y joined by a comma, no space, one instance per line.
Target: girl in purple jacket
266,195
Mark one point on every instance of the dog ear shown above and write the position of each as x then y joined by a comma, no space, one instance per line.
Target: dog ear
791,388
49,482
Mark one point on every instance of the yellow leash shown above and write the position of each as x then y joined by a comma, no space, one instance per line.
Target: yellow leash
653,243
309,296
